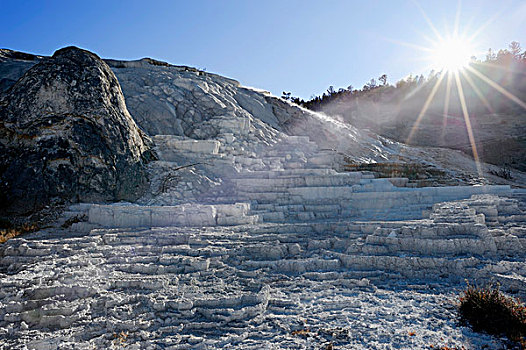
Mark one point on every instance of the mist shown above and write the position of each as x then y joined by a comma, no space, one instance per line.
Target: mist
399,112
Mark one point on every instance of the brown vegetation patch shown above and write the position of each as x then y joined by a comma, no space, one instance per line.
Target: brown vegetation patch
487,309
8,233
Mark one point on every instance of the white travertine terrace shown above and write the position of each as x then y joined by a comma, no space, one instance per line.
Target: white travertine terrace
251,231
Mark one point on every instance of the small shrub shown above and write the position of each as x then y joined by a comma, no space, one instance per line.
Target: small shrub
503,172
74,220
487,309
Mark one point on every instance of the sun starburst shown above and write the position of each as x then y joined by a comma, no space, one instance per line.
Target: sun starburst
451,53
451,56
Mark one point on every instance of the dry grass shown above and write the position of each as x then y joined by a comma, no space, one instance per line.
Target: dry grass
119,341
488,310
8,233
302,333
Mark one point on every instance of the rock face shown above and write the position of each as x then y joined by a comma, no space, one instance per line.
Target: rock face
13,65
250,234
165,99
65,133
183,101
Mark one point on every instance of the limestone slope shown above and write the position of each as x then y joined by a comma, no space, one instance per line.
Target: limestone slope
251,236
65,133
165,99
175,100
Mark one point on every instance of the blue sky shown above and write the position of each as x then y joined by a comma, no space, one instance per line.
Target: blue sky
300,46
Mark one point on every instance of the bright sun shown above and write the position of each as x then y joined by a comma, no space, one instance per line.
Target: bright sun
451,54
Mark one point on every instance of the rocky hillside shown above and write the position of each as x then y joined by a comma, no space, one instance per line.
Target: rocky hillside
263,224
494,93
66,119
65,134
165,99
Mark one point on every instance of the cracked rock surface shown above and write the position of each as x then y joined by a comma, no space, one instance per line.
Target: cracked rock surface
250,235
65,132
301,285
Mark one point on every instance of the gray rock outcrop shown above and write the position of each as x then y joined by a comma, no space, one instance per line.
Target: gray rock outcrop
184,101
65,133
13,64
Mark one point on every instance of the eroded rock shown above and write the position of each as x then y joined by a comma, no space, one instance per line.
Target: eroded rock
65,133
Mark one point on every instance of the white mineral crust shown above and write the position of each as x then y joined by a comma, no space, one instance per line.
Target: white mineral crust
252,236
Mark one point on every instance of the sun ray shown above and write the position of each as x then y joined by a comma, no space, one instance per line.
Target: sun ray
483,99
468,124
452,53
418,87
467,28
446,107
457,19
414,46
496,66
424,108
428,39
413,92
428,20
485,25
497,87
